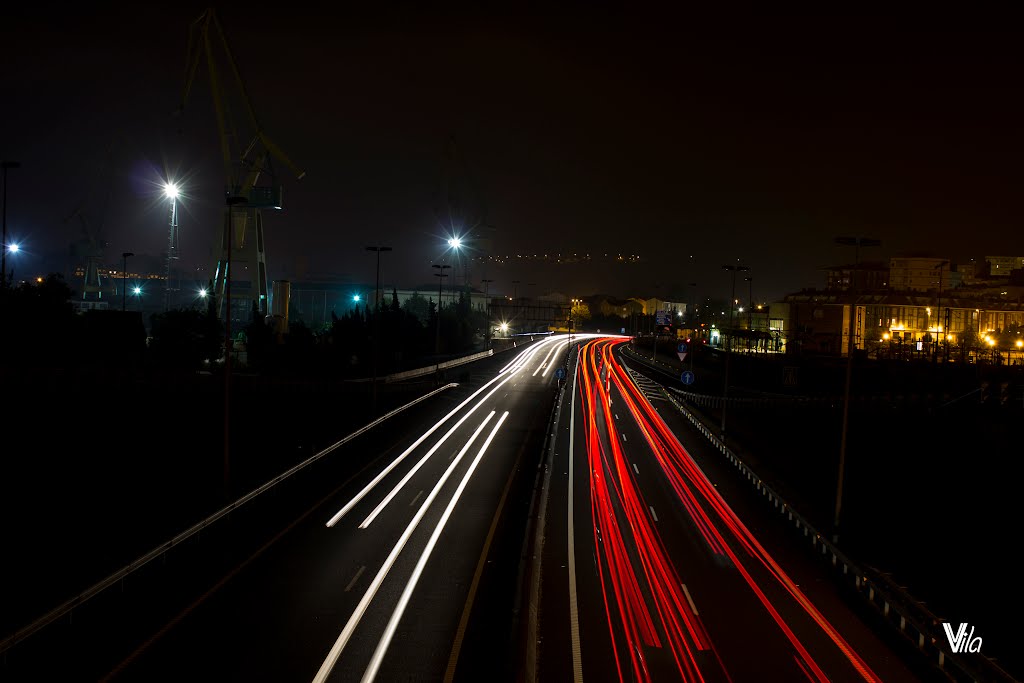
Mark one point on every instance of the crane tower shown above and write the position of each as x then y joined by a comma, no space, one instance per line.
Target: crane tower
250,182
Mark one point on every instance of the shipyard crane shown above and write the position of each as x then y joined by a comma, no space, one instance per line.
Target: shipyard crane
250,182
88,250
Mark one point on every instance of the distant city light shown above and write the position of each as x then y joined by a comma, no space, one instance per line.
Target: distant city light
171,191
137,290
40,280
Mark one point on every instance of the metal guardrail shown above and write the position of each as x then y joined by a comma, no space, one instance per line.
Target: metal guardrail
898,608
80,599
420,372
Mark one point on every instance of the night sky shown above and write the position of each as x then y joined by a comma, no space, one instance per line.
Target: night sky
690,139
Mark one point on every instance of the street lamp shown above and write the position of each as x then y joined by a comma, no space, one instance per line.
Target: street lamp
376,324
728,351
693,305
235,204
13,248
750,301
137,293
856,243
941,318
440,275
124,281
487,302
171,191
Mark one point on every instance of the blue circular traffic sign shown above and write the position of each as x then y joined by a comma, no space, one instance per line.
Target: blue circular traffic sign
560,373
682,348
688,377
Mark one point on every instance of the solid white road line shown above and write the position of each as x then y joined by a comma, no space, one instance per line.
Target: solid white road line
355,578
574,606
371,591
396,616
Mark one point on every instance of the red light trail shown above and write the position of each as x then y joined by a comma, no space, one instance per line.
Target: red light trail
645,600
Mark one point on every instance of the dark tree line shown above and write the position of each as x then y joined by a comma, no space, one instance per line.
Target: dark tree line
42,329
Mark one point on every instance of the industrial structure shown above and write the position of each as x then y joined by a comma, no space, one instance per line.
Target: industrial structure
250,182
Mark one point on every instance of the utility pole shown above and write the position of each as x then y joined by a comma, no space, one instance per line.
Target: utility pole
857,243
440,275
6,165
376,325
124,281
728,350
750,302
487,302
938,314
233,201
515,300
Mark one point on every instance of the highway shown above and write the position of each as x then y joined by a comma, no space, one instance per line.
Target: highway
648,572
377,580
410,558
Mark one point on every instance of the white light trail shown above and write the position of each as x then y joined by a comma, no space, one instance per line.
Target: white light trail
398,487
520,360
389,632
547,359
371,591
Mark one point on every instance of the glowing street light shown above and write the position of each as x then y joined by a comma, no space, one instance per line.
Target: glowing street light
203,293
171,191
13,248
136,290
356,298
455,242
5,165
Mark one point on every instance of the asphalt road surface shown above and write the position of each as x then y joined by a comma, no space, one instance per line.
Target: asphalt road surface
375,580
658,565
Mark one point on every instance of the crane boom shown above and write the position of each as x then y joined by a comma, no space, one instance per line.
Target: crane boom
247,153
244,165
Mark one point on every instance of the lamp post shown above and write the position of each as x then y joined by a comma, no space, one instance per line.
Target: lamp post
728,351
124,281
487,305
6,165
856,243
440,275
750,302
515,300
938,314
171,192
233,201
455,243
693,305
376,319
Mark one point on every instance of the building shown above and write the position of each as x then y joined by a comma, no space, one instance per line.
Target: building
870,276
1000,266
313,301
919,274
819,322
